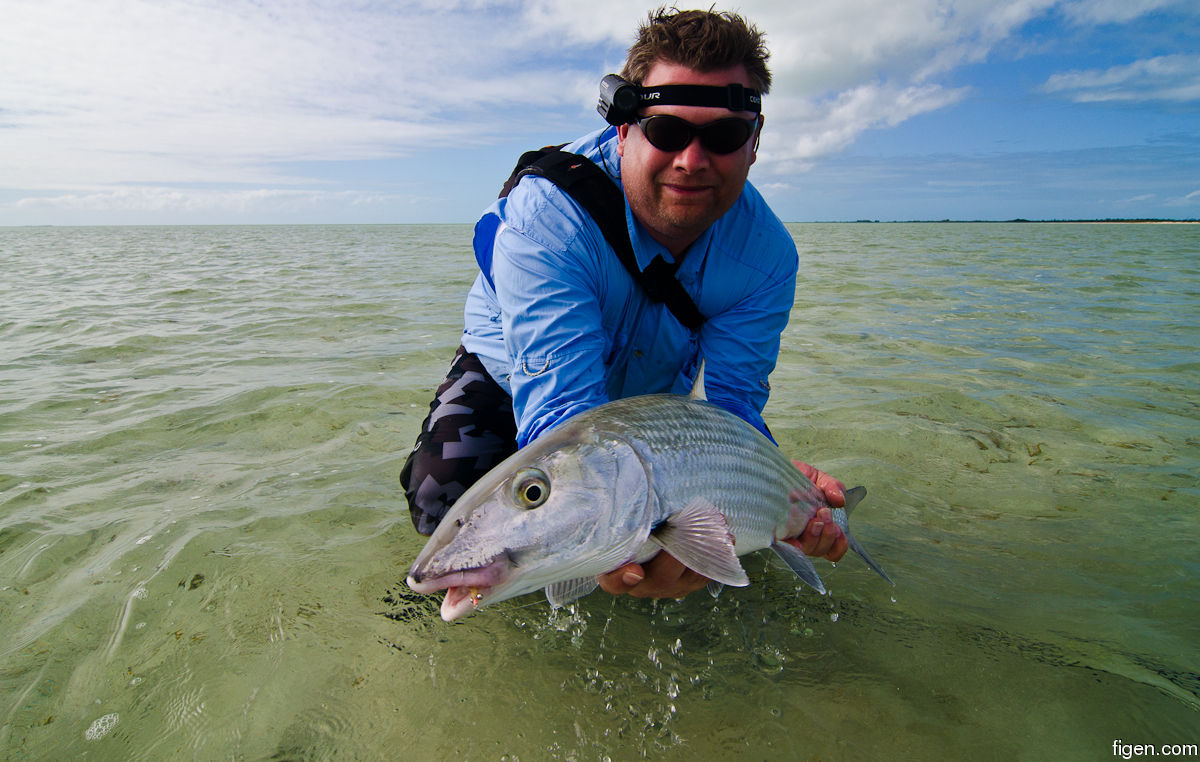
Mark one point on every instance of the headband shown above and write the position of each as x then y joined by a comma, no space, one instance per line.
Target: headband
621,99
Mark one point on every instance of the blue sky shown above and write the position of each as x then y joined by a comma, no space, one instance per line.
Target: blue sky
222,111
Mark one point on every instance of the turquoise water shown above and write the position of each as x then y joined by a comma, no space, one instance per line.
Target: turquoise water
202,542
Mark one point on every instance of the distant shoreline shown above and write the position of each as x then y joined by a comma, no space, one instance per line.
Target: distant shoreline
1115,221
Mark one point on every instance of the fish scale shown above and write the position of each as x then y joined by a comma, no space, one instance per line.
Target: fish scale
697,448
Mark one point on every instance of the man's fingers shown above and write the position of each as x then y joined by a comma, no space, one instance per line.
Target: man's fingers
622,580
835,490
822,537
663,576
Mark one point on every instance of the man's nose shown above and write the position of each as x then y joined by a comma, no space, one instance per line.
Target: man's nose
693,156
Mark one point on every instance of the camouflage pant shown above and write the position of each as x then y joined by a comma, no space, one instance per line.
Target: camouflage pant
470,428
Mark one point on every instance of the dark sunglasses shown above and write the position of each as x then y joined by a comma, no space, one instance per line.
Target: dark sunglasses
670,133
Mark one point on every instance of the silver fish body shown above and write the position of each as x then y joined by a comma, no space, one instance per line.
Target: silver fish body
617,484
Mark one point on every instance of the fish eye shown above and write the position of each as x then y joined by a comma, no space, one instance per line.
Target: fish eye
530,488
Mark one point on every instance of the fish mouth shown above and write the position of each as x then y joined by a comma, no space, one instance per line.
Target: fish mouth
466,589
460,601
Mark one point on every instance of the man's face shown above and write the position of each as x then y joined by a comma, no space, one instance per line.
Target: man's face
677,195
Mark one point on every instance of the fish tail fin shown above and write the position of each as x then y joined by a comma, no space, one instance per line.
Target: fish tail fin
854,496
864,555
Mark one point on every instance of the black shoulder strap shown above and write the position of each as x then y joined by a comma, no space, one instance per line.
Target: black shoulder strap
601,198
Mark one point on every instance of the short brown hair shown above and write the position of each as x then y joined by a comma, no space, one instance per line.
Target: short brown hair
700,40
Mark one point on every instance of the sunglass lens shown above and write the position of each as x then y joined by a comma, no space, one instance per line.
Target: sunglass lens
725,135
667,133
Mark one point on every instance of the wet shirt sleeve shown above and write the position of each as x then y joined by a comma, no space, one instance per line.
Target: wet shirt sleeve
749,287
741,346
547,277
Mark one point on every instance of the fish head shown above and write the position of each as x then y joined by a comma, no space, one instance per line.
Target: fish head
571,505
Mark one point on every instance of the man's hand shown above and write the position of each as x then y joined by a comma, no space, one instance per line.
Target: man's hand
665,577
661,577
822,537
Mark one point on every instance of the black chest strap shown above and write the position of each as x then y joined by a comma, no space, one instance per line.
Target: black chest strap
600,197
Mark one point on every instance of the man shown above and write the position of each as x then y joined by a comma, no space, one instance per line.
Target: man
555,324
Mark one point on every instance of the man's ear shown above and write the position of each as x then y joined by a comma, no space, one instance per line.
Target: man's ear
622,134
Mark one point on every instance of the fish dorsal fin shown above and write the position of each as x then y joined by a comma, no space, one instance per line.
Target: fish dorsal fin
698,384
561,593
699,537
799,563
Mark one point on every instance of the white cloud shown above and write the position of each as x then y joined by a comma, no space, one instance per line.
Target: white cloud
1114,11
1191,199
1169,78
819,47
828,126
106,91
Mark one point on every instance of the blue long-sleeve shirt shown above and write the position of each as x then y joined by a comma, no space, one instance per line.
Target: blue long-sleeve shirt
563,327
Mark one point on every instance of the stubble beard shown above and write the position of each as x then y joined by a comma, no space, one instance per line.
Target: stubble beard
682,220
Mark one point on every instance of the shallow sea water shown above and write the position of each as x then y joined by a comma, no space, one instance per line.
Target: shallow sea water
203,543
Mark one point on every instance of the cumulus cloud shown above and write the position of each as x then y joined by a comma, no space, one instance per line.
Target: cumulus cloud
1168,78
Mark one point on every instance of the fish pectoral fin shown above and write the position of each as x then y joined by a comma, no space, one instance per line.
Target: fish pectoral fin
700,538
561,593
799,563
715,588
